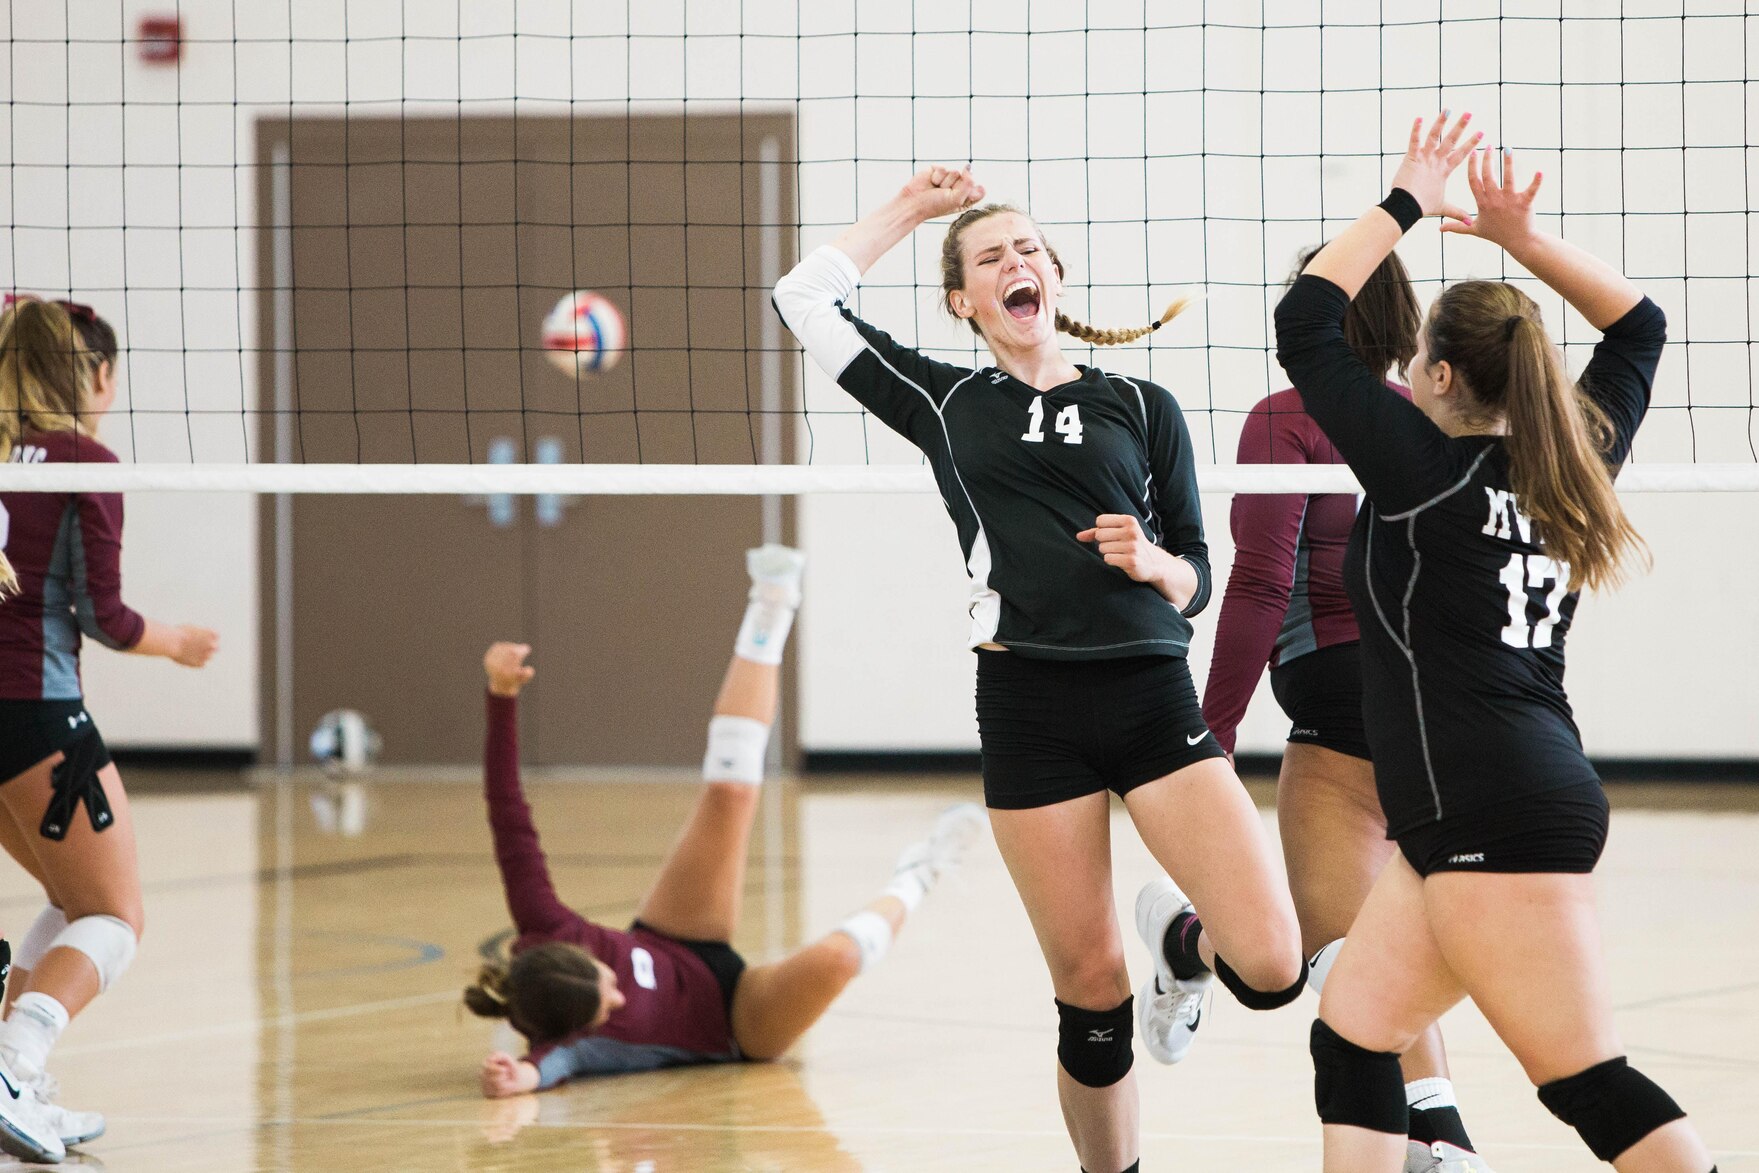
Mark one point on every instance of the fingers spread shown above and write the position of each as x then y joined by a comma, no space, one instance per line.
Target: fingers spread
1533,188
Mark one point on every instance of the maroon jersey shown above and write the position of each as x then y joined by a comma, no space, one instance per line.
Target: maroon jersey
674,1012
1285,594
67,550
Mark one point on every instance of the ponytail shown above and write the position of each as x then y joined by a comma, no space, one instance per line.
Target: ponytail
487,997
1097,337
1557,443
1558,438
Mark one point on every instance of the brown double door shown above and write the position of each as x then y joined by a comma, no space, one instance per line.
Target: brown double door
407,267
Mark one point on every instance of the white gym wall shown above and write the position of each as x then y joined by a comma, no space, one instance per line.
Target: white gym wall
1664,668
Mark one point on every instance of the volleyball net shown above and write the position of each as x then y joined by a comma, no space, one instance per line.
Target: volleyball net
330,236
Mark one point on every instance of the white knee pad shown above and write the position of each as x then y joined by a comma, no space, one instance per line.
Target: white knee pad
107,940
39,938
1319,965
872,934
736,749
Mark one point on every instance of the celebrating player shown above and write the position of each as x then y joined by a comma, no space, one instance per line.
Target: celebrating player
670,990
1075,500
1285,605
61,577
1489,505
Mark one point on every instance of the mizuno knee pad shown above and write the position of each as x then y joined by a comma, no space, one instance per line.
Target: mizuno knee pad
1094,1045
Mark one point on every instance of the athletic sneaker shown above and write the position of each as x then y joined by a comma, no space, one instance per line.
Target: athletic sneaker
775,574
1442,1157
26,1130
1168,1008
934,858
74,1128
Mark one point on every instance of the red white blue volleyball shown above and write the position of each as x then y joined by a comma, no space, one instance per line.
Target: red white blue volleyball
584,334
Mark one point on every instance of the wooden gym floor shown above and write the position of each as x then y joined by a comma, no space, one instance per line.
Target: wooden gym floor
294,1005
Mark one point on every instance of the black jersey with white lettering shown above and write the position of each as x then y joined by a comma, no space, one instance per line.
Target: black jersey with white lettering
1021,473
1463,615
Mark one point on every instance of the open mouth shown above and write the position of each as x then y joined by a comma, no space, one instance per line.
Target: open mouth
1021,300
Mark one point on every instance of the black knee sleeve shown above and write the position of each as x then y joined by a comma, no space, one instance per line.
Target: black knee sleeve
1094,1045
1253,999
1356,1086
1611,1105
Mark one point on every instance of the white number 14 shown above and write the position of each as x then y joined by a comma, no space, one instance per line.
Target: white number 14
1068,423
1521,573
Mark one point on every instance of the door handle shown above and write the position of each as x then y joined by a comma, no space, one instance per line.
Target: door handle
550,505
502,507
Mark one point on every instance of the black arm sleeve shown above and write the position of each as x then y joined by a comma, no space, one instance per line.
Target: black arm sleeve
1174,489
1622,372
1400,457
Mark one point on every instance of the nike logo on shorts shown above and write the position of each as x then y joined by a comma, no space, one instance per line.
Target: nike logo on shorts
1193,740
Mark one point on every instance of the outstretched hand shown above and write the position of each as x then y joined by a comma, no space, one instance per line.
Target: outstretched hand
503,1075
1505,209
1430,159
942,191
506,667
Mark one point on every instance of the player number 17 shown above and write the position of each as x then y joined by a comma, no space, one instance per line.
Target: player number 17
1068,422
1523,573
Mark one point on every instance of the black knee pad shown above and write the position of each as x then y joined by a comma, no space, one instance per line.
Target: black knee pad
1611,1105
1253,999
1355,1086
1094,1045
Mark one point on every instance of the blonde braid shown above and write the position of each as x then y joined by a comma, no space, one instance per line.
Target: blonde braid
1096,337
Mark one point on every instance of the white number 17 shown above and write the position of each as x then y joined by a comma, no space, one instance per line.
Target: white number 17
1527,571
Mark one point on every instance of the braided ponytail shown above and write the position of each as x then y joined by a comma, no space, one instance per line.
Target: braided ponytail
1094,336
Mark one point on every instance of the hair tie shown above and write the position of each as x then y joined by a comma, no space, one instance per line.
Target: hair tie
1510,326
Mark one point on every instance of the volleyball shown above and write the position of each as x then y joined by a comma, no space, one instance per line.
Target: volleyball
344,742
584,334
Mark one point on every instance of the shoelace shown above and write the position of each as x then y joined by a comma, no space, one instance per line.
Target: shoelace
1171,1005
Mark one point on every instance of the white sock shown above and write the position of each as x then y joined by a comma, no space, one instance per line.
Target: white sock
764,631
872,934
913,878
1433,1092
28,1033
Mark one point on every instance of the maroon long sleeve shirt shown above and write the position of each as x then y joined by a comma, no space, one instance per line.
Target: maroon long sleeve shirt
674,1013
67,551
1285,594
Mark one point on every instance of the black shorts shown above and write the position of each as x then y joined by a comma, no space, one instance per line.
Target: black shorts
31,731
1321,693
1053,730
720,957
1560,831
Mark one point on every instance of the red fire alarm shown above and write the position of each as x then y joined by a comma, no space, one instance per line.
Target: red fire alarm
161,39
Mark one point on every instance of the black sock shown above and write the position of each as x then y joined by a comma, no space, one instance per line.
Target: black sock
1136,1167
1429,1125
1180,947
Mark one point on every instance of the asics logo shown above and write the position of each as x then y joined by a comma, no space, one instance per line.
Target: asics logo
1093,1036
1467,857
1193,739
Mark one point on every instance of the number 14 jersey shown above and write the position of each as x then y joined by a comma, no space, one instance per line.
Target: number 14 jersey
1463,614
1021,473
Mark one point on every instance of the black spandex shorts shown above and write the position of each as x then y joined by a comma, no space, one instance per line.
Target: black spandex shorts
33,730
1561,831
722,961
1053,730
1321,693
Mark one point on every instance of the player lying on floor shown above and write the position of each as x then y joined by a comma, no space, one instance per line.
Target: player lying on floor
670,990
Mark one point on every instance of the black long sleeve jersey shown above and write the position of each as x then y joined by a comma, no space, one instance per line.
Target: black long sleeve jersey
1463,615
1021,473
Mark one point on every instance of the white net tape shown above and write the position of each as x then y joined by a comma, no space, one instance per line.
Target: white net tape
710,479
